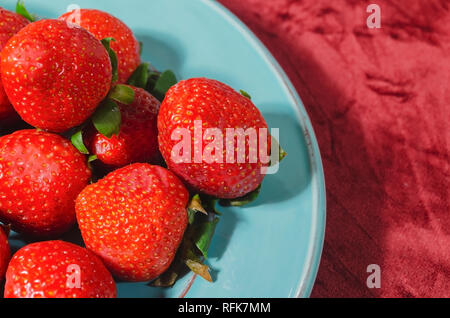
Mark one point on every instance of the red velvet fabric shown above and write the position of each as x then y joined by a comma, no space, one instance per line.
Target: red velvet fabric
379,100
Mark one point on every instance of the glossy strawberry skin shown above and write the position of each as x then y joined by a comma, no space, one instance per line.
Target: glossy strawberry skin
46,270
55,74
41,174
10,24
134,219
138,137
103,25
216,105
5,253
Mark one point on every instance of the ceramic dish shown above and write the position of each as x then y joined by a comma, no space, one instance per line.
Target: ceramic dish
271,248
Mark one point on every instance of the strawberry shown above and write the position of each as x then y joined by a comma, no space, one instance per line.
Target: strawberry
10,24
216,106
55,74
5,253
41,174
134,219
103,25
57,269
137,140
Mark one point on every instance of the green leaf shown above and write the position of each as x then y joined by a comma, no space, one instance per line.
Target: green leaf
186,259
205,232
153,77
178,266
113,57
165,81
140,76
203,223
141,47
122,94
77,141
245,94
191,215
107,118
247,199
195,243
92,158
282,153
20,9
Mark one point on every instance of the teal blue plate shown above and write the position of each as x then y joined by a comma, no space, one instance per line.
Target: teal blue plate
271,248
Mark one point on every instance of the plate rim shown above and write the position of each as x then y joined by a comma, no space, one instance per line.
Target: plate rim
306,283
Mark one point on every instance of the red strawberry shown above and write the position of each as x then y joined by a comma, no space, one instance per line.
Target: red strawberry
10,24
138,137
103,25
41,174
55,74
5,253
57,269
134,219
216,105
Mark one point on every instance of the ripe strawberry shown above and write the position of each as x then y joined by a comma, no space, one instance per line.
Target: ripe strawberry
216,105
41,174
5,253
55,74
134,219
138,137
10,24
57,269
103,25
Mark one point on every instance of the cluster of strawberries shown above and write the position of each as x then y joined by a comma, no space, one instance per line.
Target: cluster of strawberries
101,157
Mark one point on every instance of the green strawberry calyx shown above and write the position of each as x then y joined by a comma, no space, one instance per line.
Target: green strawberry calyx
245,200
107,118
123,94
281,151
140,76
195,206
193,250
113,57
92,158
156,83
22,10
165,81
245,94
252,196
77,141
